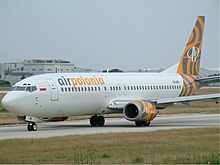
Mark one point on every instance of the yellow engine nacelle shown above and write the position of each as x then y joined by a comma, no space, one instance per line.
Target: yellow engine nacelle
139,111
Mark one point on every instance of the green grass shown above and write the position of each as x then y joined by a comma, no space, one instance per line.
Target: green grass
5,88
4,110
185,146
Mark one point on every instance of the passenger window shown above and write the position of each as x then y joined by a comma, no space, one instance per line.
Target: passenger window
157,87
119,88
81,88
128,87
137,88
116,88
75,89
72,89
85,89
124,87
69,89
95,88
88,88
99,88
61,89
65,89
134,88
91,88
105,88
131,87
110,88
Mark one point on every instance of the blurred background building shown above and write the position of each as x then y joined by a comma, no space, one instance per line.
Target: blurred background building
13,72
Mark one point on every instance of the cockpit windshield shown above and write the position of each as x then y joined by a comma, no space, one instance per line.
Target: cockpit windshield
24,88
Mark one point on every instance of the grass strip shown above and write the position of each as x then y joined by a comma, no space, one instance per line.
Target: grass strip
185,146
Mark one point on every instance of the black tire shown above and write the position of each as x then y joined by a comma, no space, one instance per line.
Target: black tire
100,121
93,121
146,123
32,126
29,127
138,123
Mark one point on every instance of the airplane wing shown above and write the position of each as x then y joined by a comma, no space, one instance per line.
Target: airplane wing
188,98
120,104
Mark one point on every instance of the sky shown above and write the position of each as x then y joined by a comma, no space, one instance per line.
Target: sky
104,34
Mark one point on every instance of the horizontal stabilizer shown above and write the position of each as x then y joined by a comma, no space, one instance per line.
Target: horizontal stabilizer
208,78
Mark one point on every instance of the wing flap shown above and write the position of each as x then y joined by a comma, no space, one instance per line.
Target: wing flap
188,98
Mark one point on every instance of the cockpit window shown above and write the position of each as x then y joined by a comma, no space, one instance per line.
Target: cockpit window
31,88
24,88
18,88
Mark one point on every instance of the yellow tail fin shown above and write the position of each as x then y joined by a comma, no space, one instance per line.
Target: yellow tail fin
190,61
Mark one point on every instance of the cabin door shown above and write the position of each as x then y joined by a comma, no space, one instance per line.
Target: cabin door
53,90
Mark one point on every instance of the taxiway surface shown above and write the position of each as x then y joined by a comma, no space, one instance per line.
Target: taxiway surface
113,125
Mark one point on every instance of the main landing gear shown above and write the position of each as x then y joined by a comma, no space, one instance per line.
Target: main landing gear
142,123
97,120
32,126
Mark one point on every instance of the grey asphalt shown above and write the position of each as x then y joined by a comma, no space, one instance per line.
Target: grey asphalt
113,125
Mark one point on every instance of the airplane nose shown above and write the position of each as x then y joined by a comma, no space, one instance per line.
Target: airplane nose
7,102
10,102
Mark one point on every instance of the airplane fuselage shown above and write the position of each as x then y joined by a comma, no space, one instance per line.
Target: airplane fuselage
88,93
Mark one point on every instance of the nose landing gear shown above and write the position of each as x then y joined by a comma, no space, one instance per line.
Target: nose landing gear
32,126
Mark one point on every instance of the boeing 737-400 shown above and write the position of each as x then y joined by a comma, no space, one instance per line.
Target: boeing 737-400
139,96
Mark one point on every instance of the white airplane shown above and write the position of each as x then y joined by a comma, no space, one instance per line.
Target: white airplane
139,96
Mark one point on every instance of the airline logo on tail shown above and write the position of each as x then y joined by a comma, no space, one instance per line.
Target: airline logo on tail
193,54
190,61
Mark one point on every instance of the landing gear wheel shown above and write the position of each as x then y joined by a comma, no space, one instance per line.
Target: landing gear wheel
146,123
142,123
32,126
97,120
93,121
101,121
138,123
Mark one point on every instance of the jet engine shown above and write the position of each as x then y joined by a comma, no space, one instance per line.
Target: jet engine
139,111
54,119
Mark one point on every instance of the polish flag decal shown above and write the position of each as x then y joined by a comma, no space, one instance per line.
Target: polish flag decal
43,89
